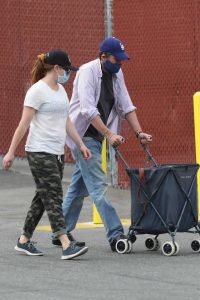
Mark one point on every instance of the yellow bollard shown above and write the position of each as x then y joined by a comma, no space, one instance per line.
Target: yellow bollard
96,216
196,104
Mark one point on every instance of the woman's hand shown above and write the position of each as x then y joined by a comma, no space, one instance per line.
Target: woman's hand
85,152
27,116
8,161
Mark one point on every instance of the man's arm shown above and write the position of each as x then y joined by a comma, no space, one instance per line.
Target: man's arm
135,125
133,121
114,139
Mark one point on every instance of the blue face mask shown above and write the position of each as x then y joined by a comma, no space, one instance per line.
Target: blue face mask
110,67
63,78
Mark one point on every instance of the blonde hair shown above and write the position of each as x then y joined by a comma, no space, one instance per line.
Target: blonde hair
40,68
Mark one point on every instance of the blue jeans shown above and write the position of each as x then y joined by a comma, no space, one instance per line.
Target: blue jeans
89,179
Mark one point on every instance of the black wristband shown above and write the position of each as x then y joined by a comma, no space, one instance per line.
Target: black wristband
138,133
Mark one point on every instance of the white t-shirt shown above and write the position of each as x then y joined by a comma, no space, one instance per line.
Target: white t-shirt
47,131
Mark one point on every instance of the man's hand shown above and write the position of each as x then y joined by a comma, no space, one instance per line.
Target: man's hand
115,140
85,152
144,137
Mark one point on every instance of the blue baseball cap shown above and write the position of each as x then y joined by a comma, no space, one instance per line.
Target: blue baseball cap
115,47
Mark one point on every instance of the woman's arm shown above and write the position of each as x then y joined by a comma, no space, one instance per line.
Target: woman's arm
72,132
27,115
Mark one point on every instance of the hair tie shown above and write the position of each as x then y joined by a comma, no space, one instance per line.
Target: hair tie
41,57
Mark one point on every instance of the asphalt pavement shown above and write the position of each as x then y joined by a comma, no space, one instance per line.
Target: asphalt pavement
99,274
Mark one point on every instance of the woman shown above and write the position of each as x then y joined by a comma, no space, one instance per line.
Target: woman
46,109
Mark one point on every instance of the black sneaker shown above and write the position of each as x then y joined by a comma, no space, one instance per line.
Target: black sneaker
73,251
28,248
113,242
56,242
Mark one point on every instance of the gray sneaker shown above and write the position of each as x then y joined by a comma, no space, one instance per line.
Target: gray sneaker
28,248
56,241
73,251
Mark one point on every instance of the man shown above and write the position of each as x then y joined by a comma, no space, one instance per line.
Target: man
99,100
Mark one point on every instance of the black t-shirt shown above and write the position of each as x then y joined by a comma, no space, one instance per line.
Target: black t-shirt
105,104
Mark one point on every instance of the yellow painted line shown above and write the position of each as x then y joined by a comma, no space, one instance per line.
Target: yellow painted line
125,222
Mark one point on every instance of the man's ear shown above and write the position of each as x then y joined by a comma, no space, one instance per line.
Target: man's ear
103,56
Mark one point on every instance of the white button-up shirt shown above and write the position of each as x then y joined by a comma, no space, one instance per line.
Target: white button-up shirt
85,97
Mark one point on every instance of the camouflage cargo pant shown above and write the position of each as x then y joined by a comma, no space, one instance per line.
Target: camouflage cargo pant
47,170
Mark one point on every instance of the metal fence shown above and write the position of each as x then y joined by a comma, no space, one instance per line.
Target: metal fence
32,27
162,39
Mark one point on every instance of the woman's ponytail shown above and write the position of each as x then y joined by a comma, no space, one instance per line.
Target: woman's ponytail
40,68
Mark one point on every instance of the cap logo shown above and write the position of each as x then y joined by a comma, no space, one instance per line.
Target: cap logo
122,46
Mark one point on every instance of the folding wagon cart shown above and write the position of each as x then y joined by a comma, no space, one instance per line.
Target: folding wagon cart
163,200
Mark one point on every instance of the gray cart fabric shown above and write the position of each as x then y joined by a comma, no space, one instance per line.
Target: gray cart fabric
167,190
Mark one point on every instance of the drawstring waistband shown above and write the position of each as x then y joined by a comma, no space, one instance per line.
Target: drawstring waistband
59,158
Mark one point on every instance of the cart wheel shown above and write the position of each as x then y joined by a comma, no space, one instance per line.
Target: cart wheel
132,238
195,245
176,248
130,247
122,246
152,244
168,248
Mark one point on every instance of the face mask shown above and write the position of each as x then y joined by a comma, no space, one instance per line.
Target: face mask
63,78
110,67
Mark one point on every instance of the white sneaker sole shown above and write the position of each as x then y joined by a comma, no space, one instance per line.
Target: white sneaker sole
27,252
79,253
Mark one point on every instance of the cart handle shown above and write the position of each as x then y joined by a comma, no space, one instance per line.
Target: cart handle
149,155
118,153
144,146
